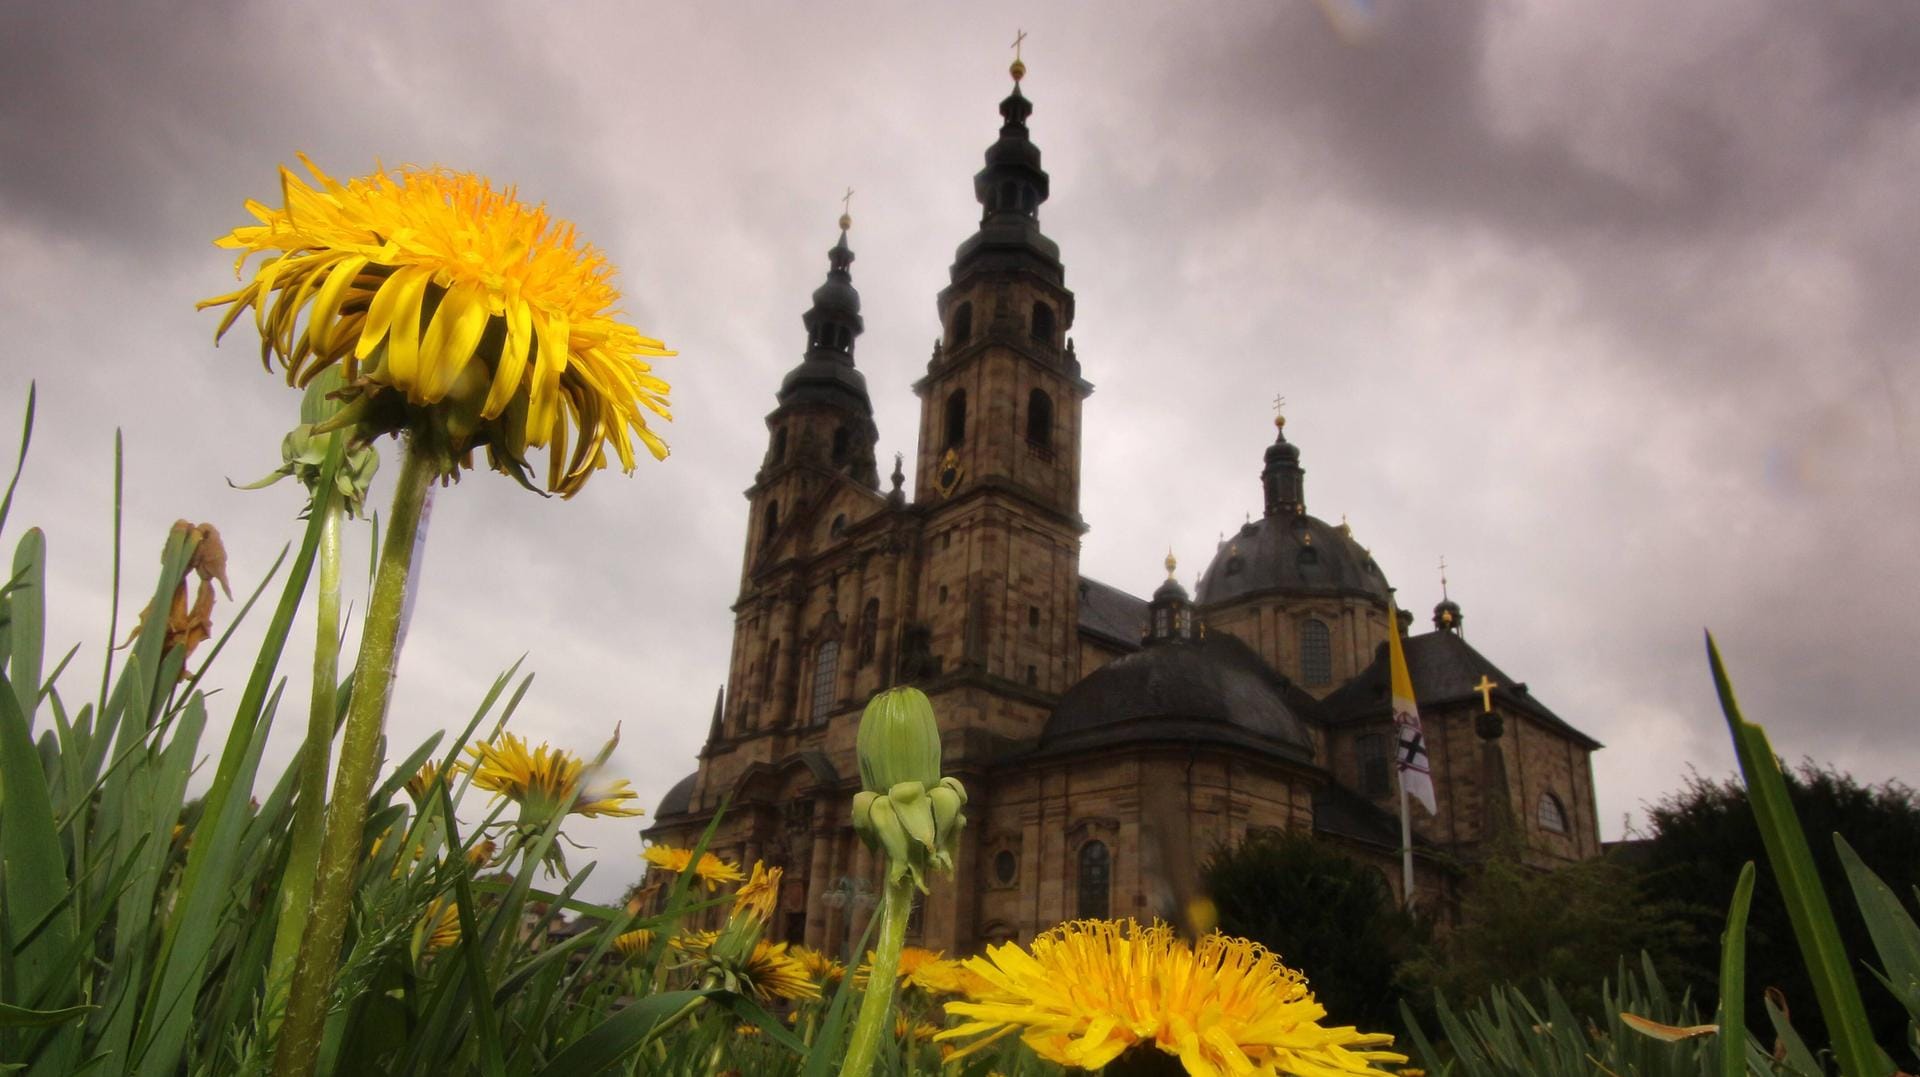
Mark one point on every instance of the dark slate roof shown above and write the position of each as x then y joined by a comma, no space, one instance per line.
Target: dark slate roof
1290,554
1342,812
1111,614
679,799
1213,689
1444,668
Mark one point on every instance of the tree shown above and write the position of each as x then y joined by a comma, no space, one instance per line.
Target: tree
1523,925
1701,835
1331,917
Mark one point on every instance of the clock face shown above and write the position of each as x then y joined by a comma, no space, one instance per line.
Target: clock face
949,474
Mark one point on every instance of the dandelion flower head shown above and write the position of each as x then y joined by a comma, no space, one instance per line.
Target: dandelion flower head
434,293
1091,989
544,780
711,870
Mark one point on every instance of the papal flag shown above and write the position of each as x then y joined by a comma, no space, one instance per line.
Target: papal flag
1410,757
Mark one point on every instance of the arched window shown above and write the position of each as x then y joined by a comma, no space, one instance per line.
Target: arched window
773,523
840,440
772,667
1316,653
962,330
838,527
1040,419
1096,879
956,418
826,667
779,446
1042,327
869,629
1375,777
1553,814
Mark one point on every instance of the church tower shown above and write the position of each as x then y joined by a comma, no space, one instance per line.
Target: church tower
820,440
998,474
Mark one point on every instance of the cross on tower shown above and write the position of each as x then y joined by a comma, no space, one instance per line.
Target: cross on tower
1443,576
1485,688
1018,38
846,201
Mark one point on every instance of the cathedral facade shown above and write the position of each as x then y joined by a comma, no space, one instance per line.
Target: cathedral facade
1107,742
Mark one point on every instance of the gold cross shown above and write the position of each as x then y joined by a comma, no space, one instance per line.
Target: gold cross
1018,38
846,201
1443,576
1485,688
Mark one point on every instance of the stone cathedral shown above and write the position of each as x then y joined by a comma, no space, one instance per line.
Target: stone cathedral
1108,743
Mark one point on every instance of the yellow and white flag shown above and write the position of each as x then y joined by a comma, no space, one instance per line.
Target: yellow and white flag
1410,755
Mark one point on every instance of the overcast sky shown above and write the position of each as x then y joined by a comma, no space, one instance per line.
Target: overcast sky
1609,304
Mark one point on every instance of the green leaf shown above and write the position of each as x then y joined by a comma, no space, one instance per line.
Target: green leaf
620,1035
777,1031
1895,935
1733,979
21,1017
35,882
26,603
1806,900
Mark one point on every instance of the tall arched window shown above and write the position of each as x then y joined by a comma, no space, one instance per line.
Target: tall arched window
1316,653
869,629
779,446
1042,322
1375,772
1553,814
826,667
956,418
840,442
1040,419
772,525
1096,881
962,330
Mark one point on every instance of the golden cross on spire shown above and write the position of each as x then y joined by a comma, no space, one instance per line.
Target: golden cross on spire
1019,68
1485,688
1279,411
1443,576
1171,563
846,210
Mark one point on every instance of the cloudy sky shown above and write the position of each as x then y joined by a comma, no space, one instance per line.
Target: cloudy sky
1609,304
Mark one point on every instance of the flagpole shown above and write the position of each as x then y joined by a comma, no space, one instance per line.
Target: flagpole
1406,843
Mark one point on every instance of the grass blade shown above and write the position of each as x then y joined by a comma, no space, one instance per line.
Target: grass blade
1895,935
20,462
1733,979
27,626
1793,869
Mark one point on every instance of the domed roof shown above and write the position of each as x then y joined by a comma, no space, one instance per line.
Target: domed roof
1212,689
1292,554
679,799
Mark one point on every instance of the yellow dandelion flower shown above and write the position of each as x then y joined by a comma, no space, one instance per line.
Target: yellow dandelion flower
1091,989
712,870
632,944
945,977
433,292
694,943
481,854
441,925
775,973
912,960
917,1031
757,896
821,968
423,779
544,779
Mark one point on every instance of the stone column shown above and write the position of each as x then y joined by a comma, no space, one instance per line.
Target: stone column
819,878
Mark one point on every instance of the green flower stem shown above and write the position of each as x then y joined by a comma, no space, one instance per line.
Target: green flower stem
876,1010
296,886
299,1047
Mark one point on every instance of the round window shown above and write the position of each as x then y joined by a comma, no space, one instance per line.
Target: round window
1005,867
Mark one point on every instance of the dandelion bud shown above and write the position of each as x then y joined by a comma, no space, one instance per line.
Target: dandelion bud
898,741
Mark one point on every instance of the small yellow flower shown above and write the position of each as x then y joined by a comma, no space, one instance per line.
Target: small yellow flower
917,1031
441,925
712,870
435,294
480,854
821,968
757,896
543,780
944,977
774,973
423,779
912,960
632,944
1092,989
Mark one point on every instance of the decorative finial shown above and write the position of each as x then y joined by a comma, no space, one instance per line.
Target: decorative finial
1279,408
1171,563
1443,577
1019,68
846,210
